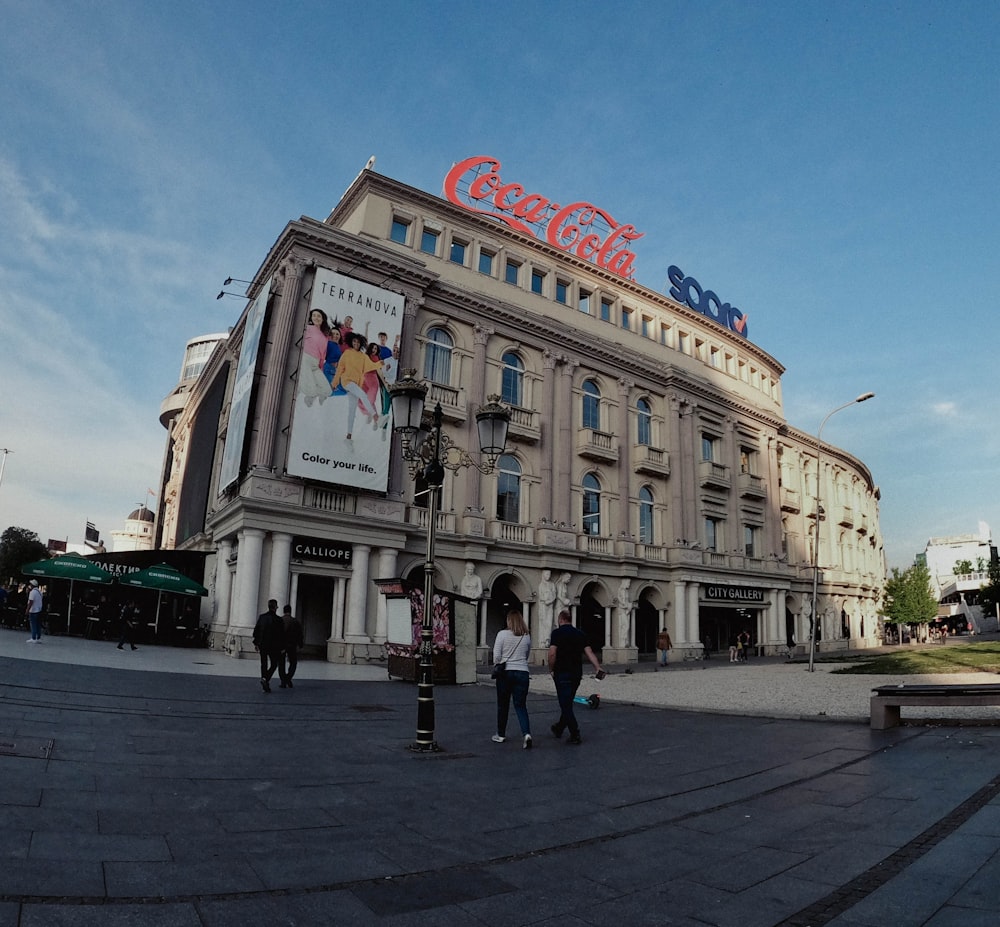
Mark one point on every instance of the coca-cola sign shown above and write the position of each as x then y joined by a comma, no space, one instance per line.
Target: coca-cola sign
579,228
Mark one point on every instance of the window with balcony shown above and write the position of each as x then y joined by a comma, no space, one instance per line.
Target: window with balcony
750,540
512,380
709,447
508,489
713,533
644,422
437,360
591,406
646,516
591,505
748,460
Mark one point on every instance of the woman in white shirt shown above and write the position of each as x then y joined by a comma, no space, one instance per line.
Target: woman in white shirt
512,646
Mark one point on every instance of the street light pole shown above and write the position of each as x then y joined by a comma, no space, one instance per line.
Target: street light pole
423,443
864,397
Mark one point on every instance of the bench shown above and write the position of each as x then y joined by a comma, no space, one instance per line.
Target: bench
887,700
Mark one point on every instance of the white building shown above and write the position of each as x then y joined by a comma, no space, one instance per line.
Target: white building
649,466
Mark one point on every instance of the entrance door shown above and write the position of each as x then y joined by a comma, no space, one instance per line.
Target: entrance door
314,607
646,618
502,599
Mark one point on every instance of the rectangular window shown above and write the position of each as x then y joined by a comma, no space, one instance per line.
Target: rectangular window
647,327
626,318
486,262
400,230
712,534
583,303
512,271
708,447
537,282
608,311
749,541
429,241
562,291
683,342
458,249
665,335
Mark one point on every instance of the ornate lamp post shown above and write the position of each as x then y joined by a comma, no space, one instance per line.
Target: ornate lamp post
429,453
864,397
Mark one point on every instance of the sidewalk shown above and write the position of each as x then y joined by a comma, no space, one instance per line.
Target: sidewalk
162,787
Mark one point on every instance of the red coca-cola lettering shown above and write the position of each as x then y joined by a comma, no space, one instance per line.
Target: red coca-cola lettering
569,228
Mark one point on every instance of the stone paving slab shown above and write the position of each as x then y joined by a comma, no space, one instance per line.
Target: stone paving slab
173,800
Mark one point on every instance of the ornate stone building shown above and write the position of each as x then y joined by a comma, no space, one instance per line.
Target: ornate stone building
649,466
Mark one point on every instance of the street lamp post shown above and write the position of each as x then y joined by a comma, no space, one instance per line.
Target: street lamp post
864,397
429,453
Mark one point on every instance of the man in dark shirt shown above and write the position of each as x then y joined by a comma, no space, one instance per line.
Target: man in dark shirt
269,639
567,648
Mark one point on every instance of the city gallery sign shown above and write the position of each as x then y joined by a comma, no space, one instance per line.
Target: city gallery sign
578,228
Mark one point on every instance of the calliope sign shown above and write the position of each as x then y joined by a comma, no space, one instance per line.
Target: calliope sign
579,228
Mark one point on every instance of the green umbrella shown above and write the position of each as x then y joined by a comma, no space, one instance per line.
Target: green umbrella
163,578
72,567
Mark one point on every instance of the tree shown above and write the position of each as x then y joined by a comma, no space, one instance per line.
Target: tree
908,597
989,594
19,546
962,567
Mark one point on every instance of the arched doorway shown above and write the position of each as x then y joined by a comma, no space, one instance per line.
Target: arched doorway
647,618
502,598
590,616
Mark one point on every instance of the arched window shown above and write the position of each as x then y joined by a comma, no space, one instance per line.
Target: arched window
508,489
591,505
512,383
591,406
437,361
646,516
644,421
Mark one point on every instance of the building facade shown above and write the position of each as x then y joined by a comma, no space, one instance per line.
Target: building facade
650,478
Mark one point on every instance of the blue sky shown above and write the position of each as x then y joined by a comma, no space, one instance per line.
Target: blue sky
827,167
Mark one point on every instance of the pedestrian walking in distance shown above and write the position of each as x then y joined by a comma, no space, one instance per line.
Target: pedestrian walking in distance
664,645
292,629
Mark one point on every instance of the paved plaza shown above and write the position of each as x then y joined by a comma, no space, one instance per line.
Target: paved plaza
162,787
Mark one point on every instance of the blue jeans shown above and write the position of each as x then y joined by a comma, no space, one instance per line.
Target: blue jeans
513,684
566,686
35,620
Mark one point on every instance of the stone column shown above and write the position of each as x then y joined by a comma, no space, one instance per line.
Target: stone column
691,622
278,343
624,461
355,632
247,606
281,557
223,585
548,454
476,399
386,569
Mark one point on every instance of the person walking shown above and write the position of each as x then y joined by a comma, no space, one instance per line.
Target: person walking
33,610
664,645
292,630
511,649
567,648
127,621
268,639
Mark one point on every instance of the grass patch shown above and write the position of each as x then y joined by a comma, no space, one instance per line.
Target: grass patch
957,658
